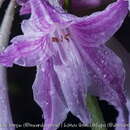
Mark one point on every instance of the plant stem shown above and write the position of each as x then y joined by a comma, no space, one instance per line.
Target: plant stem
96,114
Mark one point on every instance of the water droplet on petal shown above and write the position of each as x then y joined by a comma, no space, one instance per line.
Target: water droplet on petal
52,93
20,62
102,61
105,75
106,52
42,69
46,103
98,69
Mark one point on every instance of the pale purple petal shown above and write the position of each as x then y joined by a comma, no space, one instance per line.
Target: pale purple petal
25,9
97,28
116,46
108,76
32,47
25,51
70,59
74,79
48,94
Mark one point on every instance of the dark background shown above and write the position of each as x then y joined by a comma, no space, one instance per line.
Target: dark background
20,80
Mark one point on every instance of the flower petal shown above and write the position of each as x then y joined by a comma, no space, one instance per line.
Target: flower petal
49,13
48,94
108,78
97,28
116,46
25,51
25,9
74,79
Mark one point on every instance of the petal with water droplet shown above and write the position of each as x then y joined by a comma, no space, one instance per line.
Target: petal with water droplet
25,51
108,80
97,28
74,80
48,94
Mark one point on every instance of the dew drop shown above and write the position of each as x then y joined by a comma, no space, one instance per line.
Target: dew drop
105,75
42,69
98,69
106,53
20,62
102,61
52,93
46,103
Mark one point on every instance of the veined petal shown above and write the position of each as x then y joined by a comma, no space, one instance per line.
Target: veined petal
25,9
25,51
74,79
116,46
34,28
108,78
49,13
109,69
48,94
39,10
96,29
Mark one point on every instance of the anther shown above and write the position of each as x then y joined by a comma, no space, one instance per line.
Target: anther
67,36
55,39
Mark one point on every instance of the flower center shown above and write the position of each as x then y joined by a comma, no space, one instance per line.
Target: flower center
59,34
61,38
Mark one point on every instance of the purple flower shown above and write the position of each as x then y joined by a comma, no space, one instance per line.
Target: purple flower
71,58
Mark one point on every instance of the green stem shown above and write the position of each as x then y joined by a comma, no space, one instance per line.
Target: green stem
98,122
67,5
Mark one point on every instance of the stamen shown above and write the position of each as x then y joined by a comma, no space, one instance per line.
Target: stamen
67,36
63,37
55,39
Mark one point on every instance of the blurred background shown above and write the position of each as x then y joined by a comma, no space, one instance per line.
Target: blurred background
20,80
